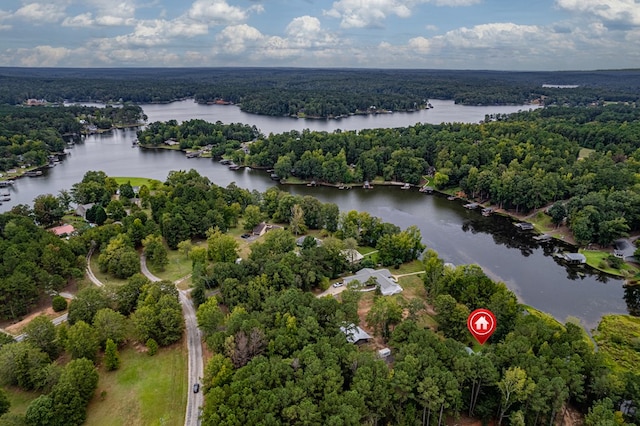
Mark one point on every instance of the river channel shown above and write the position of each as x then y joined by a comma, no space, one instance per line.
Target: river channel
459,236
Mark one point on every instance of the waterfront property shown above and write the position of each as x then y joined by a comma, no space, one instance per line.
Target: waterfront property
63,230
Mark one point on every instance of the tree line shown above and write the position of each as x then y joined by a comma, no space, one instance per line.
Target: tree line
316,92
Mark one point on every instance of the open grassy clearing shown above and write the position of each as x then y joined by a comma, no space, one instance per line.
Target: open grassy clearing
408,268
584,153
137,181
143,391
618,337
597,260
366,250
105,278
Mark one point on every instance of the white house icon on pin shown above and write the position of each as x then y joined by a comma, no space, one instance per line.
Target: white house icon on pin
481,324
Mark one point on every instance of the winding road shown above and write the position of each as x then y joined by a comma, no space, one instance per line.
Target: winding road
194,346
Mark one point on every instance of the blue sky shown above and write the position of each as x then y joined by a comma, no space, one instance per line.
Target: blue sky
442,34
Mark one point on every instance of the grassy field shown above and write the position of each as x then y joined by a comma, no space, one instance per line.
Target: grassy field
144,391
618,337
596,259
137,181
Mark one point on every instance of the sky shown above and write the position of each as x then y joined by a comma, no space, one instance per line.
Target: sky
419,34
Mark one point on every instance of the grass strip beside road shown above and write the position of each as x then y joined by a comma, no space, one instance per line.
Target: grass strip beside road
145,390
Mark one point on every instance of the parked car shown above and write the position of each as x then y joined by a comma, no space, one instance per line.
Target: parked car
196,388
338,284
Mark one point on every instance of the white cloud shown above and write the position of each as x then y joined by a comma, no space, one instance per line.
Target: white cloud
82,20
43,56
420,44
627,11
372,13
41,12
236,39
217,12
151,33
306,31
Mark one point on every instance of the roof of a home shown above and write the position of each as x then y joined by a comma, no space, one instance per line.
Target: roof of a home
354,333
62,229
382,276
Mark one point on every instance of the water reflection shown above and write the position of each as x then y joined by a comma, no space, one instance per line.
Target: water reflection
632,298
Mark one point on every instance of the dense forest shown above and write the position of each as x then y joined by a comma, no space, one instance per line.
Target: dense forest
29,135
316,92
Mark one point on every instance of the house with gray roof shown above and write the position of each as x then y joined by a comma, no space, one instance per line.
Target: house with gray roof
355,334
384,280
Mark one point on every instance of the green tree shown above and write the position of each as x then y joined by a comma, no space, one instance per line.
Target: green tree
22,365
111,356
82,341
47,210
252,217
155,251
41,333
210,317
86,304
110,325
297,220
514,386
451,317
601,413
221,247
185,247
58,303
384,314
115,210
119,258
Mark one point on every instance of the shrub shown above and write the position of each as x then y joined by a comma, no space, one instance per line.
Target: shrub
59,303
152,346
615,262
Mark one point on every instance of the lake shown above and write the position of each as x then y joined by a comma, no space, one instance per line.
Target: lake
460,236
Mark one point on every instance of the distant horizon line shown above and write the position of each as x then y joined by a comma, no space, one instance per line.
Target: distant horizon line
3,67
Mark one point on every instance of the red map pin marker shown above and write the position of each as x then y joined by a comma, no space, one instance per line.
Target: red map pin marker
482,323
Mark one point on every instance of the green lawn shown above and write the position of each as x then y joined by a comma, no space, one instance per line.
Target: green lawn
618,338
408,268
596,259
143,391
137,181
366,250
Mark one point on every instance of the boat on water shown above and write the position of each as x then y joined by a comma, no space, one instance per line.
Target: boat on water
487,211
33,173
427,189
471,206
406,186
